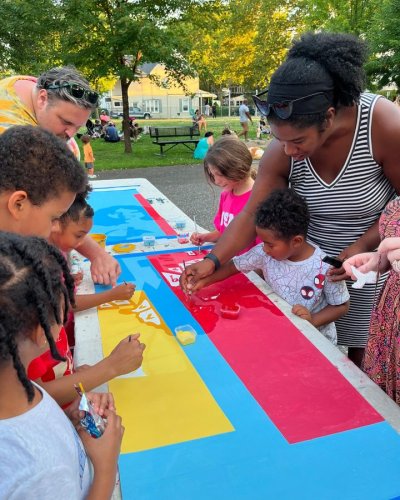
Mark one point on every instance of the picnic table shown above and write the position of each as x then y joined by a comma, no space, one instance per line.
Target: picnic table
258,407
173,136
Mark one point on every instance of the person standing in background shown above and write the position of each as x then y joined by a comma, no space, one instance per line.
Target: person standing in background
244,118
88,156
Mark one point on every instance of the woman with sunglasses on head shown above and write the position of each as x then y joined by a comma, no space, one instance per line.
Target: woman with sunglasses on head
60,100
336,146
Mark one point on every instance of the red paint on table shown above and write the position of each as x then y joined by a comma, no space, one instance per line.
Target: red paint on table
158,219
300,390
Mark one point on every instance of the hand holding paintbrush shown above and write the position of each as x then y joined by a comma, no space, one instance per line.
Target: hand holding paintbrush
188,294
196,237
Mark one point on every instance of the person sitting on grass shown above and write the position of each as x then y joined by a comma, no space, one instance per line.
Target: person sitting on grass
290,264
111,133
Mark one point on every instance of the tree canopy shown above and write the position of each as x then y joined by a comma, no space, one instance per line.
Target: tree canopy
227,42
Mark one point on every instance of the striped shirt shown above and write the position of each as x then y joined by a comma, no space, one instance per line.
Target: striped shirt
345,209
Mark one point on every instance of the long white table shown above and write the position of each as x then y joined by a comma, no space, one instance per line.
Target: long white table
274,469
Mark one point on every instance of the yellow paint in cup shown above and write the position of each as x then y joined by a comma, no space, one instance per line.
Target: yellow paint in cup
99,238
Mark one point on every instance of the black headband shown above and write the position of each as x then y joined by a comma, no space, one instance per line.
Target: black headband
279,91
283,92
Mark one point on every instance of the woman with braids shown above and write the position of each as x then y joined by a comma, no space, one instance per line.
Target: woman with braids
337,147
41,454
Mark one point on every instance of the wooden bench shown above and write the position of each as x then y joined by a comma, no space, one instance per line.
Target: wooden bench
168,136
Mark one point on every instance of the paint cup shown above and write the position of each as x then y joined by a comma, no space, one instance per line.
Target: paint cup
180,224
186,334
230,311
99,238
149,241
183,238
123,247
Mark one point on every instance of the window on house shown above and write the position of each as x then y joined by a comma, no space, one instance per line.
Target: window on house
152,106
184,105
117,104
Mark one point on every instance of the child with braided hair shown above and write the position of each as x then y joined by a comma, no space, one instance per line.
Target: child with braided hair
42,455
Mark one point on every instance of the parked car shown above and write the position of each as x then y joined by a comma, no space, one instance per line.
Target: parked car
138,113
133,114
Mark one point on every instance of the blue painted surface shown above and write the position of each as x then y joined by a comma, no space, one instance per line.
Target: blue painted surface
254,461
119,215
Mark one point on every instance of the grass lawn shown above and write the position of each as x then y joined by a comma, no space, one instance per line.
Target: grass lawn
110,156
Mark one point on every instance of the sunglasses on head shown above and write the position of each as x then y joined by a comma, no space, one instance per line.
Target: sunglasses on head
75,90
282,109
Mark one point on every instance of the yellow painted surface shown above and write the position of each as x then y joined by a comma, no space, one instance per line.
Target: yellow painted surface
166,401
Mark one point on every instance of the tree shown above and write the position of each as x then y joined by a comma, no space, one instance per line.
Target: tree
29,36
384,35
108,38
350,16
240,42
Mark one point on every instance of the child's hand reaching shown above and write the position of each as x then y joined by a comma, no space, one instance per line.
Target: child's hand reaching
198,239
199,285
127,356
123,291
302,312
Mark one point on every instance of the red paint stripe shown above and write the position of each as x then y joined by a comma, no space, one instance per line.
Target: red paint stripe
160,221
300,390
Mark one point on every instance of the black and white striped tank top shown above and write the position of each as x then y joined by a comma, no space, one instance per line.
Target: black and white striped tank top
344,209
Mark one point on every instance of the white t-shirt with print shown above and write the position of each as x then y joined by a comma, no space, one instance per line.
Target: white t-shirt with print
42,456
302,282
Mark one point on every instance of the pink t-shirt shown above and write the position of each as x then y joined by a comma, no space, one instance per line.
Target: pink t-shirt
231,205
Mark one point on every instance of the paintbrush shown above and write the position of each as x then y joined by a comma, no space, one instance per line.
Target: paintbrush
187,294
195,230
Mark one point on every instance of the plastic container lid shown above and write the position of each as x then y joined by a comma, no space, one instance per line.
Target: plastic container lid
186,334
149,241
183,238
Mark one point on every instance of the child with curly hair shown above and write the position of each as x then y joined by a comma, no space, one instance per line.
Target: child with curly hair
290,264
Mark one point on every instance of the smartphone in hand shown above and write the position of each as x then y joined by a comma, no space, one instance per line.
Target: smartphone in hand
333,261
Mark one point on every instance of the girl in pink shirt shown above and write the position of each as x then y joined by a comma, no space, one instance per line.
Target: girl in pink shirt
228,165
